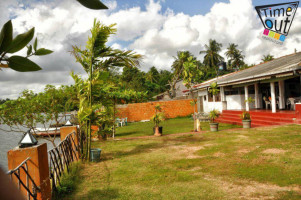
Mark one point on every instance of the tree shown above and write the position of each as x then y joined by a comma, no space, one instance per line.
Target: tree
178,68
213,89
212,57
268,57
30,110
98,60
235,57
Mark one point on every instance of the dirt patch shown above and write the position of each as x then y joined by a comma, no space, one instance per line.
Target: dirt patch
250,190
244,151
186,151
219,154
274,151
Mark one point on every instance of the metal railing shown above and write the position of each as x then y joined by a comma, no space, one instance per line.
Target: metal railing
61,157
31,193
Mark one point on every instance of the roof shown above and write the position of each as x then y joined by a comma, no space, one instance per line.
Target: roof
283,66
277,66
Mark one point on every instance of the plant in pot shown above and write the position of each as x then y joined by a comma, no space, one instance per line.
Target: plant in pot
213,115
246,119
157,119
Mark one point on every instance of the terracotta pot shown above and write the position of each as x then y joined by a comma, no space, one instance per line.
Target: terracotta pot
246,123
158,130
213,127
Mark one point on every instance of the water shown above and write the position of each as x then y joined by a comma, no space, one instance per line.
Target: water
9,140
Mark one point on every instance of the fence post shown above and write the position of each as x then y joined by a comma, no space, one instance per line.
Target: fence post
38,167
66,130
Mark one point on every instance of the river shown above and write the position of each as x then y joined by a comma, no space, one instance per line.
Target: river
9,140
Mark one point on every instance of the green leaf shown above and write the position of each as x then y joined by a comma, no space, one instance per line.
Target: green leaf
42,52
35,44
22,64
20,41
93,4
29,50
6,36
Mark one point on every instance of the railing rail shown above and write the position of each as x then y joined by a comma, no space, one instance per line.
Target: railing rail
61,157
31,193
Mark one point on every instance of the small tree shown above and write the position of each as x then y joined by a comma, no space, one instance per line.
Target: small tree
157,118
213,89
213,115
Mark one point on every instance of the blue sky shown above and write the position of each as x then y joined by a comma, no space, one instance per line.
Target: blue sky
156,29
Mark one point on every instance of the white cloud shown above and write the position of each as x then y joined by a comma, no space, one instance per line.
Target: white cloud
156,34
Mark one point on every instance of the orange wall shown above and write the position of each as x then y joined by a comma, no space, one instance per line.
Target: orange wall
144,111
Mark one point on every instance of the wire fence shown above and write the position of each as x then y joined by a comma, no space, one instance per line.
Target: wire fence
30,186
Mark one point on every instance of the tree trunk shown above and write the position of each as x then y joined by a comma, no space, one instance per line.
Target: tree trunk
114,113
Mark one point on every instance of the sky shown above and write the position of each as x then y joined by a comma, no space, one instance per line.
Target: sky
157,29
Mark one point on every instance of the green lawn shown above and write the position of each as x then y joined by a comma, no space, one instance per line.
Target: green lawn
171,126
261,163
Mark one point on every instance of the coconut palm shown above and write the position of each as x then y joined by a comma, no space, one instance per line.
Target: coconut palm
268,57
235,56
178,68
212,57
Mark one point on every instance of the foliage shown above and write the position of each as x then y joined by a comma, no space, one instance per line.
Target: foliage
68,181
99,61
159,116
191,72
93,4
245,115
213,114
266,58
235,57
212,57
213,89
10,45
249,100
31,110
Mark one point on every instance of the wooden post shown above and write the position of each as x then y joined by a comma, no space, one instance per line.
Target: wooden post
38,167
273,96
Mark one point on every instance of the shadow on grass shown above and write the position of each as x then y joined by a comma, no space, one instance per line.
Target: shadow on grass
143,148
102,194
130,133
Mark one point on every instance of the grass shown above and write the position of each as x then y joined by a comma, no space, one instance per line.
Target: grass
171,126
260,163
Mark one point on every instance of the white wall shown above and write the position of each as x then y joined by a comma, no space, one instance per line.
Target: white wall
237,102
208,106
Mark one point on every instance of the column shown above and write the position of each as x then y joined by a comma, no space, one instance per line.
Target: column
38,168
257,105
246,98
273,96
281,95
222,90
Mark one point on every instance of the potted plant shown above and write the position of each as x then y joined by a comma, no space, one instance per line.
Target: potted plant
157,119
213,115
246,119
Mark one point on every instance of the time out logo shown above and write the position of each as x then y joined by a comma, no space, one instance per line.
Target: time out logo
277,20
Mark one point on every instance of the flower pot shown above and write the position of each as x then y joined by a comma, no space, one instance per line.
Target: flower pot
246,123
213,127
158,130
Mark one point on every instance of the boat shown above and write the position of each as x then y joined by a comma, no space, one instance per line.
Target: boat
44,132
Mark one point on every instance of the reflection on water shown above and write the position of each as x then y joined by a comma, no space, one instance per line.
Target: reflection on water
9,140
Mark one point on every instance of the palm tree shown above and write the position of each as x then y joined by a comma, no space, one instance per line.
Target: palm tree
235,56
268,57
212,58
97,59
178,68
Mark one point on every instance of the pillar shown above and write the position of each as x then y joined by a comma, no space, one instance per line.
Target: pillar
223,97
273,97
246,98
199,104
281,95
257,100
38,167
66,130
